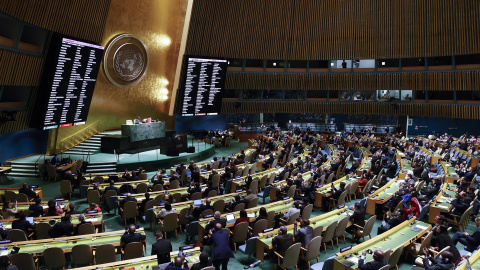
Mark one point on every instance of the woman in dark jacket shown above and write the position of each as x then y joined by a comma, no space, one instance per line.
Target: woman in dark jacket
443,240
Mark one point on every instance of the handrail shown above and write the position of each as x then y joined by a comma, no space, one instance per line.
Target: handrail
80,136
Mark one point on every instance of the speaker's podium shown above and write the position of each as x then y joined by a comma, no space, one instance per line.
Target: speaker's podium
176,145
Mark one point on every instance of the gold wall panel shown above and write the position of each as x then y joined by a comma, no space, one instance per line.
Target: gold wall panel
333,29
159,24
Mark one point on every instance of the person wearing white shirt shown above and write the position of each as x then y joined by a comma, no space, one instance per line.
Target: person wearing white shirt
167,210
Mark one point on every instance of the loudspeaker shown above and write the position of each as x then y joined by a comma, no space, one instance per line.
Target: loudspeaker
191,149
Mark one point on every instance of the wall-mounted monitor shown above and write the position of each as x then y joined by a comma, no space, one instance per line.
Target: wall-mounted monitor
202,86
67,83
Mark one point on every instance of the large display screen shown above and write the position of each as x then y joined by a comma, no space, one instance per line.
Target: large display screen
202,86
67,84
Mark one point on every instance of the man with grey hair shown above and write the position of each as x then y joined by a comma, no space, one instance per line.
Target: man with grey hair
217,219
81,219
282,241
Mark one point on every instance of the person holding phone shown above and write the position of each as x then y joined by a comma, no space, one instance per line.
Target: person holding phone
377,263
221,252
9,209
131,236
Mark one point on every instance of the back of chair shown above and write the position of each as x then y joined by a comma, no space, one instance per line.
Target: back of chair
239,207
10,195
98,179
318,231
291,191
254,187
192,229
142,188
105,254
16,235
86,229
313,248
93,196
251,246
196,196
216,180
182,220
385,267
270,218
271,178
395,256
20,197
291,256
353,188
54,258
108,194
252,203
23,261
240,232
259,227
293,218
330,178
158,187
219,206
367,230
82,255
212,193
174,184
307,211
263,182
426,241
206,213
286,175
253,169
150,204
329,232
177,196
130,210
342,225
41,230
133,250
341,198
170,222
143,176
386,254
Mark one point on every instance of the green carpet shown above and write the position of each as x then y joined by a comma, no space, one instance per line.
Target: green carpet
115,222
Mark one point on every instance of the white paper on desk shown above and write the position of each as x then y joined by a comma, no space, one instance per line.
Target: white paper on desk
251,215
92,219
7,226
443,206
45,207
389,193
3,253
353,259
422,227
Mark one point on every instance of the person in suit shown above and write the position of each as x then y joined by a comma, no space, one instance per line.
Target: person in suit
204,261
208,189
337,192
127,198
178,263
250,196
305,234
470,241
358,218
54,161
221,252
25,189
72,211
22,224
63,228
161,248
391,221
112,187
460,205
218,219
131,236
194,188
377,263
206,206
141,209
81,218
282,241
445,263
37,209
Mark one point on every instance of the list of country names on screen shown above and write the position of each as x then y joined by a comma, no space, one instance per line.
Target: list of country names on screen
73,83
203,86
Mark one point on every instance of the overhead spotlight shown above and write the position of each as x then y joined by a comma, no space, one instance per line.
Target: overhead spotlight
274,64
383,63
